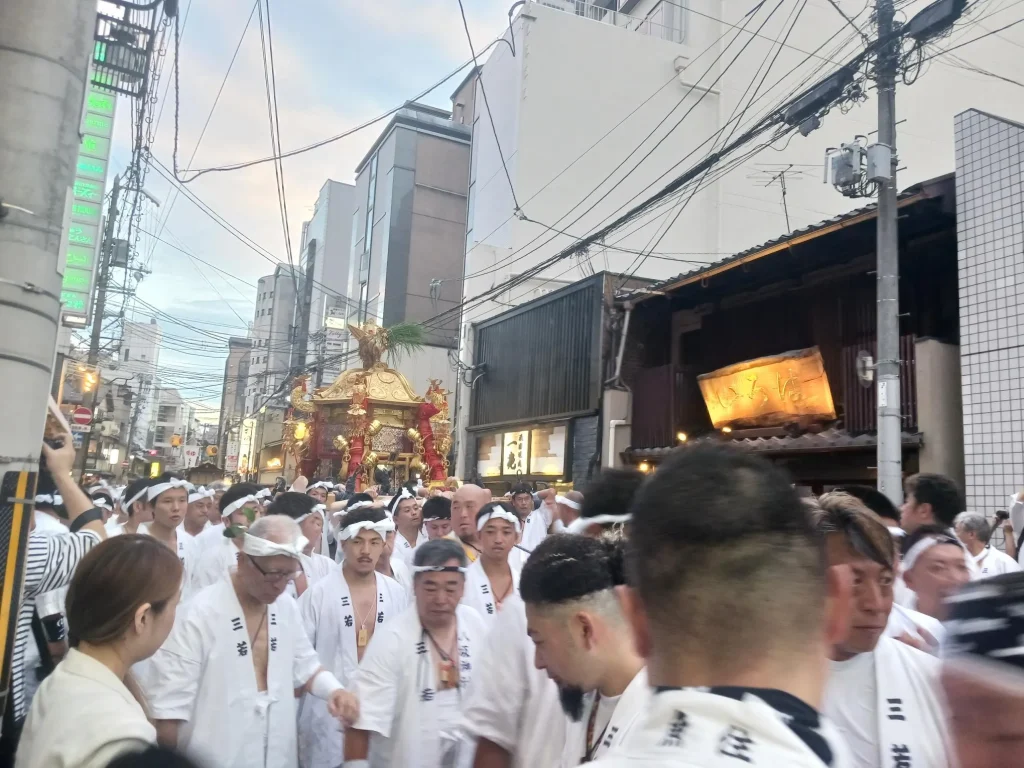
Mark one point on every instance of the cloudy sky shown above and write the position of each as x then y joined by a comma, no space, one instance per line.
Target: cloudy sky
338,63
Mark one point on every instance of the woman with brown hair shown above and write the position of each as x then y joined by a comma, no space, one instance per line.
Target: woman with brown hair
120,609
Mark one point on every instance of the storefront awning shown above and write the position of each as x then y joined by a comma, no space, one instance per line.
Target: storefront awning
827,441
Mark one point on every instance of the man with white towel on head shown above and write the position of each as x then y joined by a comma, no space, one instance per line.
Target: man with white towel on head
883,695
493,576
238,509
341,613
223,684
408,519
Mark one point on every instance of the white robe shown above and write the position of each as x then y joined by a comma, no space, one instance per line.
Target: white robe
317,567
535,527
479,595
396,684
404,550
210,536
203,674
188,554
214,563
993,562
332,626
631,705
510,702
721,728
82,690
908,708
402,574
905,620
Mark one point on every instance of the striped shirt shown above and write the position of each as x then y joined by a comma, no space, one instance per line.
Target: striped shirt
49,564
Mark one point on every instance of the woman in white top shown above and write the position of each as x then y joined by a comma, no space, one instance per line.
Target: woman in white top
120,609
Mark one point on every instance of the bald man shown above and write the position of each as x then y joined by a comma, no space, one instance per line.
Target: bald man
466,502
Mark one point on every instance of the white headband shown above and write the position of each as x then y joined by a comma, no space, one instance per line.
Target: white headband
264,493
383,527
101,503
101,486
136,497
436,568
434,519
404,494
580,524
237,504
358,505
568,502
498,514
320,484
257,547
155,490
53,501
896,532
922,546
199,494
317,509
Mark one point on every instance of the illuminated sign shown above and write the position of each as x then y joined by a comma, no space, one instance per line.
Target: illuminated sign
769,391
81,241
535,451
513,457
547,450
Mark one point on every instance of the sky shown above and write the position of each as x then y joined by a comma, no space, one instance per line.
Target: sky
338,63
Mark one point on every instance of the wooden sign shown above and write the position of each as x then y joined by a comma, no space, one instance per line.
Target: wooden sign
769,391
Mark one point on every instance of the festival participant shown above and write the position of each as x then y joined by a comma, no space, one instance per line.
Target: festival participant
318,491
493,577
466,502
120,609
408,524
341,615
219,488
46,516
735,612
522,500
930,500
411,682
337,512
974,532
136,505
934,568
196,517
389,565
605,505
223,688
168,499
537,523
584,642
213,535
238,509
304,510
437,517
983,672
883,695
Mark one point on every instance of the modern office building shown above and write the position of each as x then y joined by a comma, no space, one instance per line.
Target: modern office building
232,400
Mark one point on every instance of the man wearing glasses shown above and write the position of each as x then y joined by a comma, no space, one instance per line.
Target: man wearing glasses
222,687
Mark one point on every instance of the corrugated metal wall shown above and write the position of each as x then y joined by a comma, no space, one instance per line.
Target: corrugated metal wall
541,361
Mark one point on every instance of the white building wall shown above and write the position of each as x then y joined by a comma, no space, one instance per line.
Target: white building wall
138,360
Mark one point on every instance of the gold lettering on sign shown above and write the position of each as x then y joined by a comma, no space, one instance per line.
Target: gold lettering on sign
769,391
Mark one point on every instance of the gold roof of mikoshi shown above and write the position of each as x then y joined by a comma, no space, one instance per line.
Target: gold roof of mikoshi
383,386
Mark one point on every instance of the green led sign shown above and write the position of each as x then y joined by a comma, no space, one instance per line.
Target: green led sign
88,190
73,300
82,234
95,146
100,102
99,52
91,168
80,257
77,280
86,212
98,124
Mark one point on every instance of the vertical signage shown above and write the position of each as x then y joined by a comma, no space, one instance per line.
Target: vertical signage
83,235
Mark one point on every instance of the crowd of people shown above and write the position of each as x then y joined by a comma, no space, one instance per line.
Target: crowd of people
710,614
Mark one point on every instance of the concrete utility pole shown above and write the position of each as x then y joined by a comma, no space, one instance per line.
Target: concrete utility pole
44,51
890,425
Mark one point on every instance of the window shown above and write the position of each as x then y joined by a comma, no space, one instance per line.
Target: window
161,434
166,413
126,351
363,291
271,294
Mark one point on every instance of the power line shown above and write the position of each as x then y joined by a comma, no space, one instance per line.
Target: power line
848,20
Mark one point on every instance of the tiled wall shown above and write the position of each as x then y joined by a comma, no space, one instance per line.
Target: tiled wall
990,234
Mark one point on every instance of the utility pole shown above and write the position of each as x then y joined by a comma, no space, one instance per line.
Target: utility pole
44,50
887,367
102,276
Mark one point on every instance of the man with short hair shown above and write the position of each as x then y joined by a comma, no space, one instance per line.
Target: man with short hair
522,500
223,684
219,488
973,529
735,612
570,586
883,695
493,576
136,504
408,524
930,500
238,509
411,682
466,502
935,567
196,516
437,517
318,491
168,499
341,614
392,567
304,510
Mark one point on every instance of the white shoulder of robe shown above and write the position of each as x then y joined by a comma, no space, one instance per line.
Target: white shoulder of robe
912,622
81,690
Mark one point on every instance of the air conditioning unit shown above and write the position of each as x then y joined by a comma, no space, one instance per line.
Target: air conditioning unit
110,429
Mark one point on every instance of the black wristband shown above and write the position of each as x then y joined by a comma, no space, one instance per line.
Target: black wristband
53,628
85,518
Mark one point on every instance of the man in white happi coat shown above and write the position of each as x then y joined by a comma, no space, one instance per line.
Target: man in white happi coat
538,521
238,511
493,577
734,611
214,534
196,516
570,586
974,530
437,517
341,614
168,500
136,507
935,567
389,565
408,524
223,684
412,682
309,515
883,695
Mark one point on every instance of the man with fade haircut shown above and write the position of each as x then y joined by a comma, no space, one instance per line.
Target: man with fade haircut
411,683
309,515
494,576
341,614
930,500
883,695
437,517
735,612
606,503
571,587
222,688
975,532
238,509
936,566
466,502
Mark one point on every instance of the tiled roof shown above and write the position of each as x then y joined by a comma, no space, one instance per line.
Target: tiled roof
810,442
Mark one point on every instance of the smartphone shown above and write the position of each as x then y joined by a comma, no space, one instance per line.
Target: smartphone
56,425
